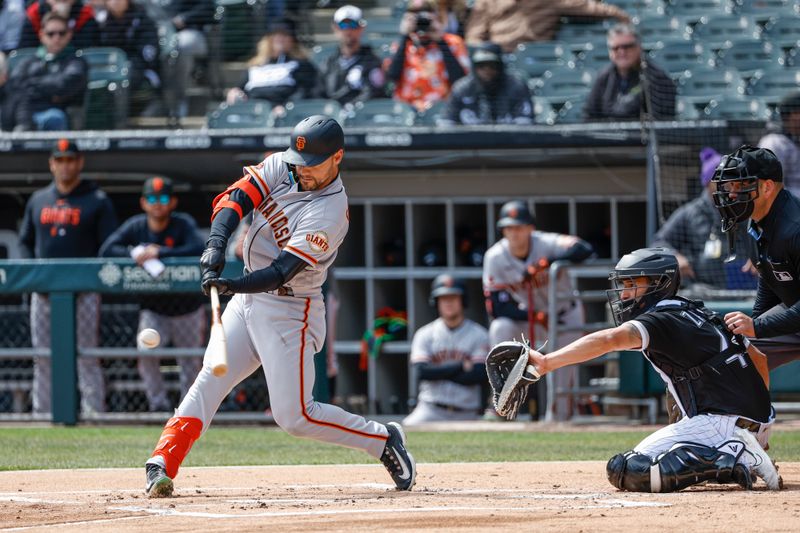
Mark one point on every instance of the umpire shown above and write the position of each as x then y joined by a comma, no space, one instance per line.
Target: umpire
750,185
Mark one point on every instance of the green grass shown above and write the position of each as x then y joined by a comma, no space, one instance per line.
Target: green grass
93,447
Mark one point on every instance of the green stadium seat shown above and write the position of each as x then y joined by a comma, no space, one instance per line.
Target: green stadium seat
784,32
686,110
679,56
240,28
294,112
763,11
535,59
785,379
694,10
737,109
576,33
108,93
594,55
16,56
656,28
380,113
321,52
571,112
241,115
543,112
640,7
703,85
748,57
431,116
775,84
565,84
716,32
382,27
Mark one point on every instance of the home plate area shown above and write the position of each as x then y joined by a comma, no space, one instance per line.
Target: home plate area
545,496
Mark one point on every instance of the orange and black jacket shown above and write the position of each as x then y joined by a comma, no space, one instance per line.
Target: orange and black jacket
81,20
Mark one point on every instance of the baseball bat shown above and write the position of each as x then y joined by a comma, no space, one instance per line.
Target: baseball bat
217,351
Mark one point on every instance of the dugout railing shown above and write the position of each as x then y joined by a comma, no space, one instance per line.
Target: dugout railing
117,279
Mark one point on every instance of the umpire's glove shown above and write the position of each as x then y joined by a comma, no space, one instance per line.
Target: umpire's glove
212,262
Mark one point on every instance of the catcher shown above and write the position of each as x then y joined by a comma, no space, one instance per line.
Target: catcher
716,377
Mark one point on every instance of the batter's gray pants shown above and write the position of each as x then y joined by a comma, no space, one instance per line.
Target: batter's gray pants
183,331
90,374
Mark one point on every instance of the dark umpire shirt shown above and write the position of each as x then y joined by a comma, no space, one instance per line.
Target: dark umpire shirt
778,239
71,225
179,239
676,339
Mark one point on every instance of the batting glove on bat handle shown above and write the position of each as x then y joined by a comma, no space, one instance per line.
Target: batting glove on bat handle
223,285
213,260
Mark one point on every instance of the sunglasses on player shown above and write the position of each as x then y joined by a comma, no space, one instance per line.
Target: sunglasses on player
162,199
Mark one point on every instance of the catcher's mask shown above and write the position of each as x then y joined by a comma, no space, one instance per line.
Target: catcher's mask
736,179
658,265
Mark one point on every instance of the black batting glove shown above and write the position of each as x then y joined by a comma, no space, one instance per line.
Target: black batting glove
212,261
223,285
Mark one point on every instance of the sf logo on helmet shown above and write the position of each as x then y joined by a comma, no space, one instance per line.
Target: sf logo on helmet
513,212
300,143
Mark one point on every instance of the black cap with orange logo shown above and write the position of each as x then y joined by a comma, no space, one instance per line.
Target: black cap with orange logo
157,185
65,148
314,140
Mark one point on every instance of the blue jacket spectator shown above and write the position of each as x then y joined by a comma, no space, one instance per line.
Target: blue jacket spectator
80,16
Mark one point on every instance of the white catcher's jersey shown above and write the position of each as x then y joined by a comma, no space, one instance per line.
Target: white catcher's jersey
502,271
436,343
308,224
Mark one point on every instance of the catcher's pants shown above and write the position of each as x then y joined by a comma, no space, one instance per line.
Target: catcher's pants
505,329
90,373
429,412
779,350
706,429
183,331
282,334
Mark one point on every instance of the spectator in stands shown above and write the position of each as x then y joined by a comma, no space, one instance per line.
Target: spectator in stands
452,15
352,73
3,80
489,95
41,87
69,218
12,17
426,61
280,71
619,89
448,357
80,17
158,233
129,28
510,22
785,142
190,19
693,234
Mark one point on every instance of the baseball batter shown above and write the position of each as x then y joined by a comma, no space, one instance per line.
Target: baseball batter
447,356
276,318
515,279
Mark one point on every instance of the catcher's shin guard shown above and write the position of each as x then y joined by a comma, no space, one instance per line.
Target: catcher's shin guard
176,440
683,466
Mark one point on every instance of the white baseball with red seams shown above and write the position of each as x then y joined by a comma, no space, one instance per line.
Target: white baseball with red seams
282,333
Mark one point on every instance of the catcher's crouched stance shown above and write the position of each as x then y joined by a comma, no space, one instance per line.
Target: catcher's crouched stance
715,376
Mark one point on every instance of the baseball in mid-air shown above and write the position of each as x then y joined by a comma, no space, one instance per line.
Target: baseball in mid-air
148,338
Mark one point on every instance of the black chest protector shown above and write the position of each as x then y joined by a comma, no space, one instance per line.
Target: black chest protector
726,383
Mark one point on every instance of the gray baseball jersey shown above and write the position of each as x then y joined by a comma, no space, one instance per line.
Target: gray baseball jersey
502,271
308,224
436,343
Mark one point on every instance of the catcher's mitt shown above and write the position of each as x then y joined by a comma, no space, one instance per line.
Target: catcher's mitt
510,375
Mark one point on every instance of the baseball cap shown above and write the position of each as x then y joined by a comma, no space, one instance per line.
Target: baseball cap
709,160
286,26
65,148
314,140
157,185
349,12
790,103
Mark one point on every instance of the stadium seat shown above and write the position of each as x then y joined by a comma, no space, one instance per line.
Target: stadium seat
775,84
640,7
737,109
534,59
381,113
578,33
763,11
562,85
382,27
686,110
571,112
715,32
431,116
703,85
653,29
294,112
107,98
784,32
382,47
594,55
543,112
748,57
321,52
15,56
242,115
694,10
676,57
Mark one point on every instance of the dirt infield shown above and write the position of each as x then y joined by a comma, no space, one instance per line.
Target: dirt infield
552,496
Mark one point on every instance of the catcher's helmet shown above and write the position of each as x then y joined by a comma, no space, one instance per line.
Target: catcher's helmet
736,178
657,264
314,140
445,284
514,213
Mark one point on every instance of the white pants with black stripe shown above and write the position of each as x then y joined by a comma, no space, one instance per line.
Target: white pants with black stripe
708,430
282,334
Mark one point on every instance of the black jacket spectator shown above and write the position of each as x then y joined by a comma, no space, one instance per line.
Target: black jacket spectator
81,21
136,34
42,82
195,14
617,98
352,79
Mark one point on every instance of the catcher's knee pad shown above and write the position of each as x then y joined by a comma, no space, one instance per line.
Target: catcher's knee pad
688,464
630,471
176,440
